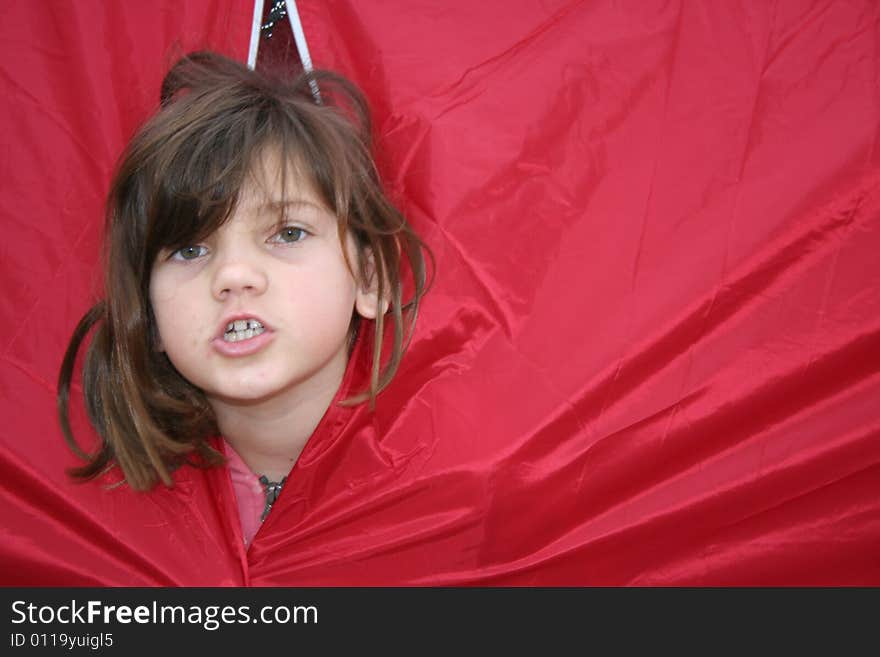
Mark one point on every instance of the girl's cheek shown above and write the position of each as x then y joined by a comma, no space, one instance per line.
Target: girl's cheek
165,284
159,295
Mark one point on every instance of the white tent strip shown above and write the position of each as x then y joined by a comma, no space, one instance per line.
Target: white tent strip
255,33
299,36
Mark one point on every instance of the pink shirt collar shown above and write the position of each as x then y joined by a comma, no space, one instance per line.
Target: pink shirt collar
249,493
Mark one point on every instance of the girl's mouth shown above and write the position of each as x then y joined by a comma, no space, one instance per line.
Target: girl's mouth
242,336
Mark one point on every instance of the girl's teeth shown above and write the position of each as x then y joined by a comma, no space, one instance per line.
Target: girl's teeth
251,329
243,325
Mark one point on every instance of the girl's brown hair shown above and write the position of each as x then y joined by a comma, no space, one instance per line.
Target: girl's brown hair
176,183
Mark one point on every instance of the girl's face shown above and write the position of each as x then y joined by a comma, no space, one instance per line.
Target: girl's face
261,309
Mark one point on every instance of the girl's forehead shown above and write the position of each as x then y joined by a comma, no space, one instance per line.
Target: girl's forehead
277,181
275,194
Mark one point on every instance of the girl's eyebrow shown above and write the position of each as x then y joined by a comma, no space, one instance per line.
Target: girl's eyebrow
293,204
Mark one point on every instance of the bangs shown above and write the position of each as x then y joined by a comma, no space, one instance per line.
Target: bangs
196,182
186,210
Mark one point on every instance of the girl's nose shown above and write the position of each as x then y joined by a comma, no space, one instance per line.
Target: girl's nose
235,277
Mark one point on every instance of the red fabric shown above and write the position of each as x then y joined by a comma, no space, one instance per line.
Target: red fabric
652,352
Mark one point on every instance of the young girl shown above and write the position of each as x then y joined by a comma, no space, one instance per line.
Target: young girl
248,240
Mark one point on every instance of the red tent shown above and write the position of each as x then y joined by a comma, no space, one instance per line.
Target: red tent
652,351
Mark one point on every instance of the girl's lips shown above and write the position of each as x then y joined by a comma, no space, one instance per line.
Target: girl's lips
243,347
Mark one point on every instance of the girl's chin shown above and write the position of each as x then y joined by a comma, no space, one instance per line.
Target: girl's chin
248,397
244,394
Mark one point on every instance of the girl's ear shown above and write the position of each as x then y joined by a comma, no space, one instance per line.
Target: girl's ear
367,302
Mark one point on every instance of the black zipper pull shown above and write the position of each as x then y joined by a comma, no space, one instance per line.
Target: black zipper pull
273,489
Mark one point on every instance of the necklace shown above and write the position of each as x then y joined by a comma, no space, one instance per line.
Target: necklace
273,488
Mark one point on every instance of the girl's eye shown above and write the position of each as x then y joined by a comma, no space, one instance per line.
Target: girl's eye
189,253
290,234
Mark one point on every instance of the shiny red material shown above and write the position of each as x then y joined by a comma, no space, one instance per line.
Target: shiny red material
651,355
